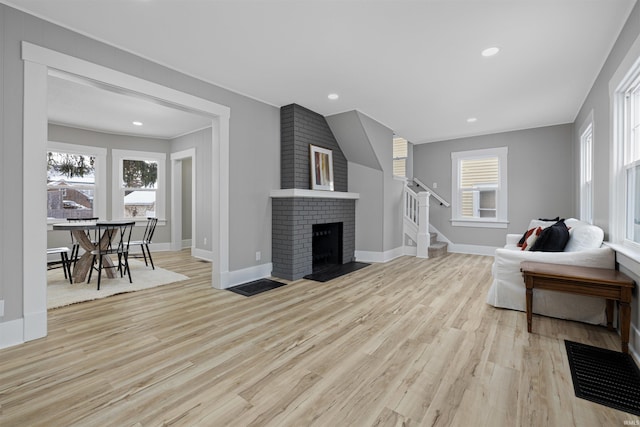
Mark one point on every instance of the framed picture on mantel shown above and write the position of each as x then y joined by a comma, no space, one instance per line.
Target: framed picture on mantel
321,168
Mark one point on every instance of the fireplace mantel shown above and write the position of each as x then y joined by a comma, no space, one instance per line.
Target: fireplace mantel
299,192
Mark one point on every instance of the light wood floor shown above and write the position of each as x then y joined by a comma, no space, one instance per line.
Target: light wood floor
410,342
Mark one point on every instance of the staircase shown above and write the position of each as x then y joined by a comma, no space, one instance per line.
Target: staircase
436,247
416,221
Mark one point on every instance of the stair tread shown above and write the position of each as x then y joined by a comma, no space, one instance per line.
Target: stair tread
438,245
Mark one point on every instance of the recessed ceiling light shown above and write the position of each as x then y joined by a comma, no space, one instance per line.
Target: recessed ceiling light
490,51
136,123
333,96
472,120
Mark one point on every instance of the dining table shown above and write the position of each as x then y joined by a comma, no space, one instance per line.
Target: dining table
81,233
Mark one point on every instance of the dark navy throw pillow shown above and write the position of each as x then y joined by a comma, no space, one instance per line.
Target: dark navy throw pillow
553,239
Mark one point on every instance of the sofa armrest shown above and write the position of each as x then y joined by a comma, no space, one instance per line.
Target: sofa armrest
507,262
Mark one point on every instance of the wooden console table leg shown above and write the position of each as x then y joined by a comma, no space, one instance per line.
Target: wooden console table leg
609,314
529,303
625,321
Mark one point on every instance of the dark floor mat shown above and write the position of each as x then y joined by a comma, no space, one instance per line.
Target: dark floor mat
255,287
333,271
607,377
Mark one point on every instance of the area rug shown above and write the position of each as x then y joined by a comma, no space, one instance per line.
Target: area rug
607,377
61,293
256,287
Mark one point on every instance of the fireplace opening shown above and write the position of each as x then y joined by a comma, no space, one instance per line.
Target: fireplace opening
326,245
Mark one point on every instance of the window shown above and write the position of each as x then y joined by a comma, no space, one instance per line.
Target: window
139,184
631,161
586,171
400,157
75,181
625,87
479,179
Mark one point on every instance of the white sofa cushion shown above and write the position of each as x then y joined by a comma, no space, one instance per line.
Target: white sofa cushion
584,236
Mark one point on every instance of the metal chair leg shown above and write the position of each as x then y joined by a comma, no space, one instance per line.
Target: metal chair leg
153,267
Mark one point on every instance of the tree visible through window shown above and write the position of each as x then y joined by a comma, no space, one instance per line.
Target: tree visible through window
138,184
140,179
71,183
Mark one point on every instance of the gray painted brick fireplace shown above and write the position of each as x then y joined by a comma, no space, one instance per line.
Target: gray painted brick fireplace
293,217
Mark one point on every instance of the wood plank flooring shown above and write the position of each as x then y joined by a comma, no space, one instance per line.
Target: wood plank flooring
409,343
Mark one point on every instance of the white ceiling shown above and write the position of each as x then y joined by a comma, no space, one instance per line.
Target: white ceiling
414,66
82,104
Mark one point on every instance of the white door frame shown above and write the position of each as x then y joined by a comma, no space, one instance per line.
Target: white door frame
37,62
176,197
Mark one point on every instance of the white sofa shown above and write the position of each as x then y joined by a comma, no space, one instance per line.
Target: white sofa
584,248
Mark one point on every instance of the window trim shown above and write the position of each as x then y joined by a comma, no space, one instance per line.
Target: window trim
586,203
405,158
117,203
501,219
622,80
101,190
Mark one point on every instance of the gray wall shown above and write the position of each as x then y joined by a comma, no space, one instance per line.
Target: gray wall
540,179
254,144
368,146
368,183
381,139
201,141
598,101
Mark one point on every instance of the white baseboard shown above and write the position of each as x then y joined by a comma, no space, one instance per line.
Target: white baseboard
202,254
472,249
11,333
386,256
186,243
249,274
35,325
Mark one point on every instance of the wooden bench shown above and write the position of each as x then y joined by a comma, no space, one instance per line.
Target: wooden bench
597,282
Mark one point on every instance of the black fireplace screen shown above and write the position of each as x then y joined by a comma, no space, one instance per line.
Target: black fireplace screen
327,245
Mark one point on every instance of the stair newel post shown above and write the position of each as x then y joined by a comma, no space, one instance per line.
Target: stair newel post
423,225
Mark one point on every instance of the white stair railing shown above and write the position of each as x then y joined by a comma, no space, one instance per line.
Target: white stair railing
416,219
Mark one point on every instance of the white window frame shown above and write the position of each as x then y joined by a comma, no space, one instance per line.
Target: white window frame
586,170
501,219
626,76
100,165
401,158
117,204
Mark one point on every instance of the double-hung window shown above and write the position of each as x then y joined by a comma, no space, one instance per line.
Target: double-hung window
631,161
400,153
586,171
139,184
625,88
76,178
479,184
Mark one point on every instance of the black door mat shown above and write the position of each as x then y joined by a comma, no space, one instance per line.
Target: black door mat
256,287
336,270
607,377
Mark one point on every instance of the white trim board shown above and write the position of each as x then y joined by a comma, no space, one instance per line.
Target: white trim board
249,274
37,62
381,257
11,333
